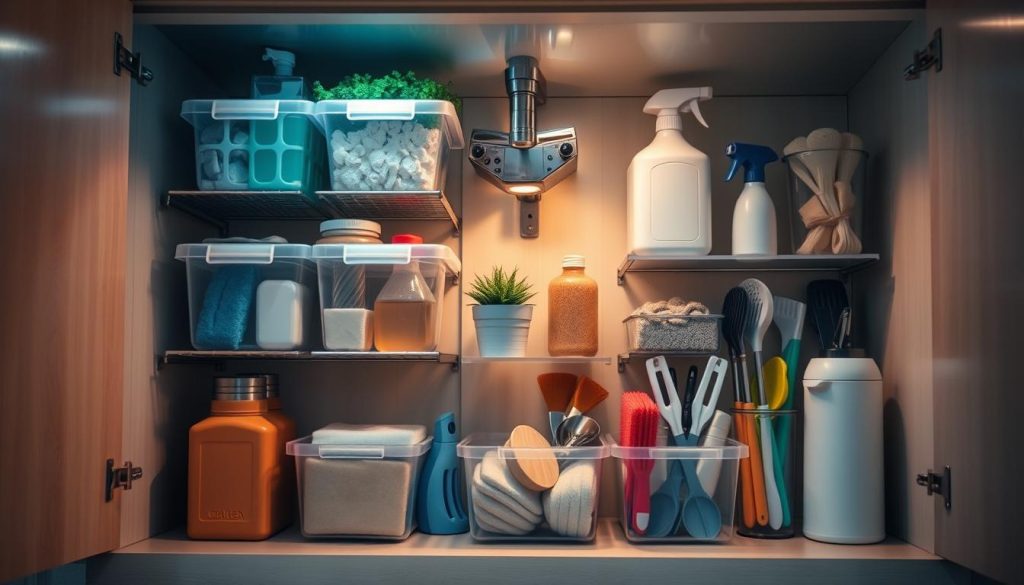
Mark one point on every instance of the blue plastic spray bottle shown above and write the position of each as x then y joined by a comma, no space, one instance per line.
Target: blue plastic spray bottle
753,220
439,507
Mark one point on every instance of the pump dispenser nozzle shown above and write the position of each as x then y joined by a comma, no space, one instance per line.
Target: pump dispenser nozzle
283,61
753,157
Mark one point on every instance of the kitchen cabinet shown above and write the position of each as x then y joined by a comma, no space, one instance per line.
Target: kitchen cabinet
95,327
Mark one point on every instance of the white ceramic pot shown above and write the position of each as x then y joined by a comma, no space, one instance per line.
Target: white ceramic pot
502,330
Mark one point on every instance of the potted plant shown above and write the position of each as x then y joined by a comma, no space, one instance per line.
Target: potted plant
502,316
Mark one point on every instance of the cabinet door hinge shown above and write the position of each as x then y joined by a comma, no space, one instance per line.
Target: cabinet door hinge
131,62
927,58
121,477
938,484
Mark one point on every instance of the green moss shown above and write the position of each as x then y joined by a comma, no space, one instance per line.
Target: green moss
394,85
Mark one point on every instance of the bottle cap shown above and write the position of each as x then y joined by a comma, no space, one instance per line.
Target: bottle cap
242,387
406,239
332,227
573,261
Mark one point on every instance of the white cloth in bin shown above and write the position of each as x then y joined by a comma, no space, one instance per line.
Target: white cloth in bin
492,523
498,510
392,155
482,487
569,505
494,471
346,434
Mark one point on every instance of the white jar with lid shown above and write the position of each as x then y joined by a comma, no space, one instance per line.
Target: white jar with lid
843,458
347,322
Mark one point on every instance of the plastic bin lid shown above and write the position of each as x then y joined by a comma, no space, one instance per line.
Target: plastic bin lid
254,253
305,448
389,254
245,109
364,110
731,449
477,445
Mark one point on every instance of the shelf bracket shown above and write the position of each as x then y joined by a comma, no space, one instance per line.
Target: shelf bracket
925,59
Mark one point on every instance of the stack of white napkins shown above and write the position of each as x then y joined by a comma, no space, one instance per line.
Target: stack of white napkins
346,434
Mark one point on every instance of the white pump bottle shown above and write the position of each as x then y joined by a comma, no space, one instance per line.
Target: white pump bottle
668,184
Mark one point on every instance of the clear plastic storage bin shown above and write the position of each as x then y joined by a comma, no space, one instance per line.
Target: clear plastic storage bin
717,468
357,491
389,145
672,333
250,296
353,317
502,510
255,145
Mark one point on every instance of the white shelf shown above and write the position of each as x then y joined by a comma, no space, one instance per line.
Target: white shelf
173,558
541,359
844,264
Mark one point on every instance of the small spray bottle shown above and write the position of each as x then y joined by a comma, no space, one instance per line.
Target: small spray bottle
283,84
753,220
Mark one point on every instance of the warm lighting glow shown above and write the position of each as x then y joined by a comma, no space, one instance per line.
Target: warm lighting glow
523,189
1007,22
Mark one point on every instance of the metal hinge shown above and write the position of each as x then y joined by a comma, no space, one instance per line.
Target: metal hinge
926,59
121,477
938,484
130,62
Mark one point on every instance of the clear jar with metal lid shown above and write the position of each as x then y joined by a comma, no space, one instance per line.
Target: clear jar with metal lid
347,322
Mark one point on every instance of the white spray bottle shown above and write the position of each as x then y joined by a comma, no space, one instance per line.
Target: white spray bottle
668,184
753,220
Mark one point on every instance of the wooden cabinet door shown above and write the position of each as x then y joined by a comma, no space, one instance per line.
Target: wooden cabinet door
64,170
976,119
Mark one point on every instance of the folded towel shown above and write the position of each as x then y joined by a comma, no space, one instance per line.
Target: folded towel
498,510
569,506
346,434
495,473
356,497
227,307
482,487
492,523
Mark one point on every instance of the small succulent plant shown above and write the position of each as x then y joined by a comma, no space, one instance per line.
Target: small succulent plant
501,288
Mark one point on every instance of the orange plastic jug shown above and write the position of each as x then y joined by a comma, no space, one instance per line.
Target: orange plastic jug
284,484
234,464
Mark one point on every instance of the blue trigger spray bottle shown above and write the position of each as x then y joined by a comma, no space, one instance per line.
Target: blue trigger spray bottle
753,220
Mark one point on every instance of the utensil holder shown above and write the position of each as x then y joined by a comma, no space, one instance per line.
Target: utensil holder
753,519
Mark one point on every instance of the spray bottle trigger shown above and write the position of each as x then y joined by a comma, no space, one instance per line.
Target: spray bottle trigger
696,113
732,169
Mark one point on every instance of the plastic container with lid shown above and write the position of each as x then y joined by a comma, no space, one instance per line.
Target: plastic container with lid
503,510
224,280
572,310
257,144
234,466
844,499
405,285
389,145
364,490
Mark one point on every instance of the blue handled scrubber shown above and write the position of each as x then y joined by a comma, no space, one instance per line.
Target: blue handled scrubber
439,507
227,306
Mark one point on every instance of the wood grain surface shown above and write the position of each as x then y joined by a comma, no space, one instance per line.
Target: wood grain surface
62,226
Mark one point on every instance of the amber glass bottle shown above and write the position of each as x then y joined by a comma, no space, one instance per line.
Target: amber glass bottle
572,311
233,459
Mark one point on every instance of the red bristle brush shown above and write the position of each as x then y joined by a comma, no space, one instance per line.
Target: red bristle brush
639,428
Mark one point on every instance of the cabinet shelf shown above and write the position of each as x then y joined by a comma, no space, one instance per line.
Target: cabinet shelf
843,264
383,205
197,356
540,359
220,207
624,358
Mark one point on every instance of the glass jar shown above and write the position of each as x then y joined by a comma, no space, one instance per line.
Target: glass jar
572,310
405,312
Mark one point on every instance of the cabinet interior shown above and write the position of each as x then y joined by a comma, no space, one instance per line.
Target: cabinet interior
776,75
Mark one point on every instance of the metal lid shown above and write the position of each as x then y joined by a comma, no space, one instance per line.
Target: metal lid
356,227
243,387
273,390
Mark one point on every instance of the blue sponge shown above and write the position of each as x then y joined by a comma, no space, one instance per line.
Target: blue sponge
227,306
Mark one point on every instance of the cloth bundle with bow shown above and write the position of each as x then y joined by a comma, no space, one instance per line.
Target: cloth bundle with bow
825,161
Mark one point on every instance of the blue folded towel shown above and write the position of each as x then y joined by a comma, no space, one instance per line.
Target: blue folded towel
227,306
